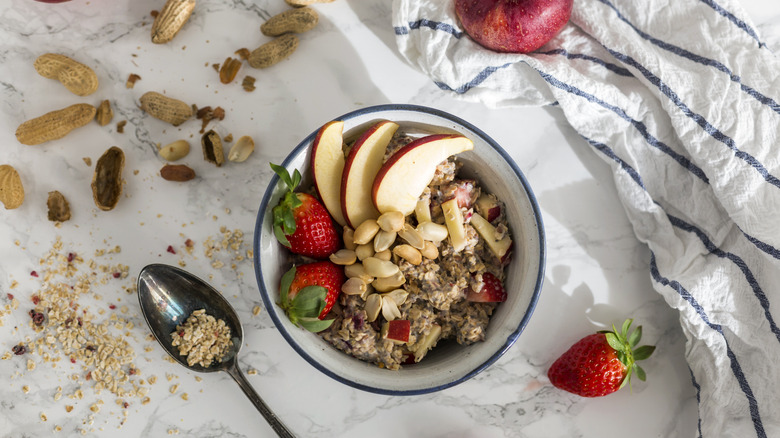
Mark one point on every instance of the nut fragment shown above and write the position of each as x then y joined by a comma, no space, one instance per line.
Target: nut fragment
75,76
390,309
384,255
408,253
212,148
177,172
170,20
365,231
248,84
131,80
343,257
354,286
273,51
176,150
107,180
364,251
412,236
229,70
398,295
104,113
59,209
348,236
165,108
379,268
373,306
391,221
297,20
11,189
55,124
241,150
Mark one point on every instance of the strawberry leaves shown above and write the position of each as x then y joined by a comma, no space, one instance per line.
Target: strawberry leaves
305,307
283,214
623,343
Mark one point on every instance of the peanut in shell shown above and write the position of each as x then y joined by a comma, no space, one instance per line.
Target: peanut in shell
11,189
165,108
55,124
75,76
273,51
171,19
297,20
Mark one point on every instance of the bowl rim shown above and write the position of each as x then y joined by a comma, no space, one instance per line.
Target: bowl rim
269,302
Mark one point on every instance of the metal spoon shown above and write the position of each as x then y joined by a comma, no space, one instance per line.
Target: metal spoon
168,295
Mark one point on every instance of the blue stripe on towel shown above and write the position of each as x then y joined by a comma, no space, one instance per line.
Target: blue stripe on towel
478,79
735,367
641,127
608,65
606,150
698,398
739,23
424,22
768,101
698,118
749,277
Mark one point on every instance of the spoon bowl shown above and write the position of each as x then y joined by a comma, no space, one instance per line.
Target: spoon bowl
168,296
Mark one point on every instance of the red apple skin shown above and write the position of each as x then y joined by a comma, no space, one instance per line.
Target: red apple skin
514,26
399,330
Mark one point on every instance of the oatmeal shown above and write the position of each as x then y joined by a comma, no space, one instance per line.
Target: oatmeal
203,339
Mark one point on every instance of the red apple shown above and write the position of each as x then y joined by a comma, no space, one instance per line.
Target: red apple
488,207
516,26
397,330
327,166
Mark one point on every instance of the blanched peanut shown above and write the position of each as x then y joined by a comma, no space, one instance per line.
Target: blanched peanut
411,236
365,250
391,221
373,306
379,268
365,231
432,231
349,238
354,286
343,257
386,284
384,255
430,251
408,253
357,270
383,240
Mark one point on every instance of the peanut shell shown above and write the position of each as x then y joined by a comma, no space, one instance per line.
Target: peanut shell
212,148
104,113
75,76
11,189
55,124
165,108
59,208
107,180
171,19
296,20
273,51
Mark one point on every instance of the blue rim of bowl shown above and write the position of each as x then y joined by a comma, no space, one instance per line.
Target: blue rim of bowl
511,339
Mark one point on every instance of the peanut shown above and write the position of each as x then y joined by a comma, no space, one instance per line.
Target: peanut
409,253
354,286
344,257
75,76
273,51
379,268
59,209
298,3
432,231
411,236
349,238
429,250
242,149
391,221
212,148
383,240
386,284
104,113
175,151
107,180
298,20
385,255
373,306
364,251
365,231
171,19
165,108
177,172
55,125
11,189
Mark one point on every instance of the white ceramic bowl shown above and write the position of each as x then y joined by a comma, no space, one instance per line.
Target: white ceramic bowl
448,363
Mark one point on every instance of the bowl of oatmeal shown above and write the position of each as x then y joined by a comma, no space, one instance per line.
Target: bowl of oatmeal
454,333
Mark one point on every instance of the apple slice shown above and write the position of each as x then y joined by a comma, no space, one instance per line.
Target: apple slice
360,169
403,177
422,346
499,247
453,219
327,166
397,330
488,207
422,210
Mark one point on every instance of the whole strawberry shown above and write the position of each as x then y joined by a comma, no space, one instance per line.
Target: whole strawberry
601,363
301,222
308,292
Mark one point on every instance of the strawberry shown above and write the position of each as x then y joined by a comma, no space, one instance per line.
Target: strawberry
308,292
492,291
301,222
601,363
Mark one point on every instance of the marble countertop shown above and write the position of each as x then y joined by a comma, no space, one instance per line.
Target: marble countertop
597,271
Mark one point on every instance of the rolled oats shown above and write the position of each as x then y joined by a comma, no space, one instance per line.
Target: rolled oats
202,338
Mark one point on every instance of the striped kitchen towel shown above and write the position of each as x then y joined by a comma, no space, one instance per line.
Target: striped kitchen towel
681,99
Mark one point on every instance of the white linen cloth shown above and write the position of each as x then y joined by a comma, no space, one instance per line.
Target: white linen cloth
681,99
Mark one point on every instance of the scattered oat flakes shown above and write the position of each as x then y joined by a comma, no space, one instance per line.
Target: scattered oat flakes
202,338
185,396
43,417
174,388
25,389
256,310
68,408
251,372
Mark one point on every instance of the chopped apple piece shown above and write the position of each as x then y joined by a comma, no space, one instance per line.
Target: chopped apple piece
425,344
327,165
488,207
453,218
499,247
397,330
360,169
422,211
402,179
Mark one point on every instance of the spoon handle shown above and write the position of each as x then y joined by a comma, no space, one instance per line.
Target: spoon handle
272,419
